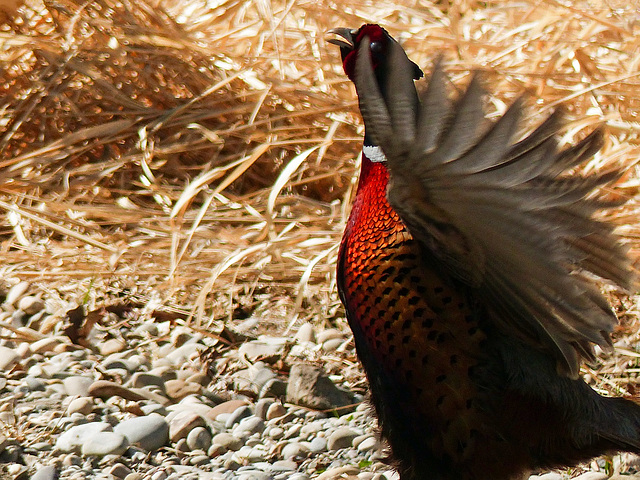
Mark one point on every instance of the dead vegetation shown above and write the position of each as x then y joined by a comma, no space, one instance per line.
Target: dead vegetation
201,156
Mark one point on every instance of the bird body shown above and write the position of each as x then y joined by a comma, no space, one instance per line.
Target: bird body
470,381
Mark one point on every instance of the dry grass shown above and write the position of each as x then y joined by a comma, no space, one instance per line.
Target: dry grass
202,156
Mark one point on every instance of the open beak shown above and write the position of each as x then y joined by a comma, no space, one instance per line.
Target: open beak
346,40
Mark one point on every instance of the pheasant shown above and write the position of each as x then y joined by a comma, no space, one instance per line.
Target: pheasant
466,271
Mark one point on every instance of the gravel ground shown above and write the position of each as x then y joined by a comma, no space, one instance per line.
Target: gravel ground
118,393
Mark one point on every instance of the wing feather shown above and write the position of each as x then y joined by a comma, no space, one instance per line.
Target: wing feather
509,219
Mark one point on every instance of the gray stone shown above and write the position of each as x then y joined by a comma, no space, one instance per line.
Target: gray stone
341,438
318,445
150,408
105,443
254,475
182,423
274,388
368,444
284,466
263,406
8,358
34,384
251,424
276,433
305,333
199,439
264,348
106,389
119,470
30,304
295,451
309,387
46,473
82,405
237,415
199,460
149,432
47,344
332,344
329,334
16,292
227,440
181,354
276,410
178,389
592,476
77,385
299,476
73,439
339,472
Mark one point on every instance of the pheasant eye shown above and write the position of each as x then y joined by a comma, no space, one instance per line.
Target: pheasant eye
376,47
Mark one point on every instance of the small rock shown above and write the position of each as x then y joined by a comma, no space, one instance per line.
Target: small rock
34,384
151,393
228,441
77,385
16,292
199,439
251,425
276,433
134,476
339,472
368,444
329,334
82,405
73,439
178,389
237,415
180,355
263,406
309,387
164,372
145,379
547,476
183,423
318,445
47,344
267,348
199,460
105,443
254,475
226,407
8,358
119,470
149,432
284,466
30,304
295,451
216,450
111,346
105,389
592,476
276,410
199,378
332,344
274,388
305,333
46,473
341,438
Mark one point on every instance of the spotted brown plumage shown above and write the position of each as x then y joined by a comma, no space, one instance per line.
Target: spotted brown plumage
462,271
